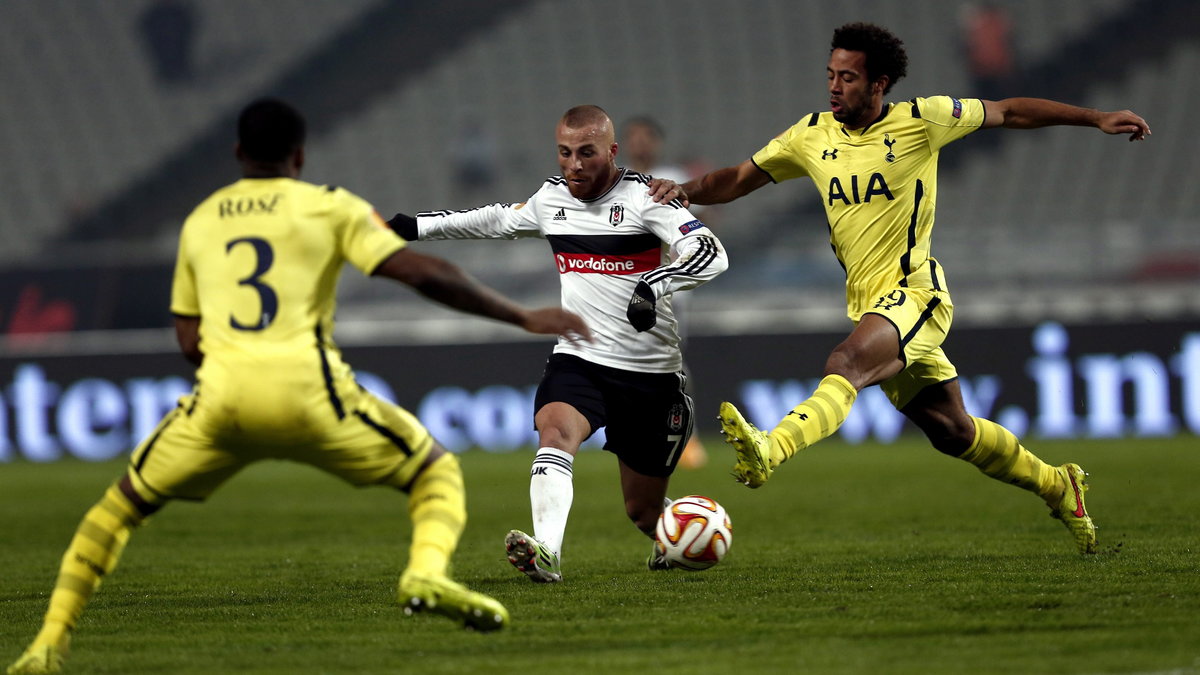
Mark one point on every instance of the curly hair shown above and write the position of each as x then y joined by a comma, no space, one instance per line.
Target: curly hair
884,51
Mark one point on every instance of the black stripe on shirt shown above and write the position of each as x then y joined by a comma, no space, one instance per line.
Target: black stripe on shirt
692,266
604,244
644,179
636,177
446,212
906,259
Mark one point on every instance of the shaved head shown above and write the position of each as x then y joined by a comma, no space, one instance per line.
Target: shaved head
587,151
582,116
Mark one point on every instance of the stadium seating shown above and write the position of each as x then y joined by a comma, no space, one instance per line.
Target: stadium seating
83,117
83,120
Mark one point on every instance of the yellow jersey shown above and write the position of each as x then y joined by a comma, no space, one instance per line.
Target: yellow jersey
879,188
259,262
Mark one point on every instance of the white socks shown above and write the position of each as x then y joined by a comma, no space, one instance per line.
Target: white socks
550,493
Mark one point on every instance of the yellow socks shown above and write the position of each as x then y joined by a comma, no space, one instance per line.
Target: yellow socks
815,419
437,506
997,453
93,553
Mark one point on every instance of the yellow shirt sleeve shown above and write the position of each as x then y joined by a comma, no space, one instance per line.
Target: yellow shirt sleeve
365,238
949,119
184,301
783,158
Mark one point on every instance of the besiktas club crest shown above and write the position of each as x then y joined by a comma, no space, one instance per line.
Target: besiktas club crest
616,214
675,417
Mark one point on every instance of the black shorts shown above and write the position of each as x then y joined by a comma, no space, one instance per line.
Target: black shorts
648,416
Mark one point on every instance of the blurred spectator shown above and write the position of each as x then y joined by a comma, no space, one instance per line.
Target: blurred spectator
988,42
474,157
640,149
168,30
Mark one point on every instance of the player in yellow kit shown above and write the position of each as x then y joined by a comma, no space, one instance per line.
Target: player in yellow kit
875,166
253,300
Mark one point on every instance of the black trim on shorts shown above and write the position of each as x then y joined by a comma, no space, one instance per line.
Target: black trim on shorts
922,390
385,432
900,355
137,467
925,316
125,485
154,439
327,373
163,496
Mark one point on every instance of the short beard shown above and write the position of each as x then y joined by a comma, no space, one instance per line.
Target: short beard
851,116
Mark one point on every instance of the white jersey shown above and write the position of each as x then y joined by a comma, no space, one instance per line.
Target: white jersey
602,248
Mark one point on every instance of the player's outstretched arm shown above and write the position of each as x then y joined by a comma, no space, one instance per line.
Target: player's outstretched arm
715,187
1032,113
447,283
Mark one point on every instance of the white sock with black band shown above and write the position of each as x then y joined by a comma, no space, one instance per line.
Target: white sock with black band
550,493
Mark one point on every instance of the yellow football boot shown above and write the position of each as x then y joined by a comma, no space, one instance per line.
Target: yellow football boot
39,659
1071,509
440,595
752,446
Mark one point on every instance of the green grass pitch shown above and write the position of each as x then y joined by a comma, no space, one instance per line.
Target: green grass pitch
853,559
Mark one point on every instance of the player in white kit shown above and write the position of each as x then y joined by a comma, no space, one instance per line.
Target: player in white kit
620,257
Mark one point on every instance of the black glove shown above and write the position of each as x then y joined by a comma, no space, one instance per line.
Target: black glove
641,312
405,226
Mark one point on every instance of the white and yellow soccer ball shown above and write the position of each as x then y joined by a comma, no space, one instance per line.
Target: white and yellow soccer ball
693,533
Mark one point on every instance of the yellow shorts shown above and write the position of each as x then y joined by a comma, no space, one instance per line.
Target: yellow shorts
334,426
922,319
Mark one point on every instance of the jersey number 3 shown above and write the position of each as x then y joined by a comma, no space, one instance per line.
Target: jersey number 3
268,300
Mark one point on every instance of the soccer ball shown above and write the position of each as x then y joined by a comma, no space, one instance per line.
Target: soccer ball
693,533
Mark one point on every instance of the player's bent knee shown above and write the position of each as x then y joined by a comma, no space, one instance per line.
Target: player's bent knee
447,462
440,463
951,439
145,505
